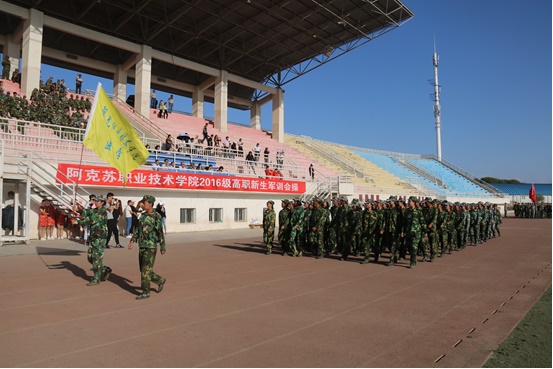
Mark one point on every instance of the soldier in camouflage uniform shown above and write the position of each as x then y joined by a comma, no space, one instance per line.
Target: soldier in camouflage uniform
97,220
296,232
331,238
379,243
393,232
327,246
307,210
497,220
356,226
430,213
269,226
474,229
284,226
318,222
368,226
344,228
6,65
412,229
149,234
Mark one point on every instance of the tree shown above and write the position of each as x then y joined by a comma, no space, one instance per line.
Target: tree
539,197
497,180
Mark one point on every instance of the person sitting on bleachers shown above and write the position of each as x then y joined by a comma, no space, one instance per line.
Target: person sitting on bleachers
269,172
191,165
166,163
156,165
200,167
209,167
16,77
220,169
182,165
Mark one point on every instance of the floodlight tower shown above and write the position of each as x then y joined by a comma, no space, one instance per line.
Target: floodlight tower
437,109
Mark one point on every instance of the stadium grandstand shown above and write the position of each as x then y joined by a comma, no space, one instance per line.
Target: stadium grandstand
208,182
518,192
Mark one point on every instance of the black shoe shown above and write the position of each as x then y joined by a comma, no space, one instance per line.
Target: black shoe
284,253
107,247
320,257
107,273
142,296
267,253
93,283
343,259
160,286
365,261
119,246
411,266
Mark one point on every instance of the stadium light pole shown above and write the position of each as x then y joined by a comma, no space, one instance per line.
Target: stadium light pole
437,109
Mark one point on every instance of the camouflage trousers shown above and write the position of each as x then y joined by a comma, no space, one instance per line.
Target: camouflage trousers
268,237
424,245
344,243
317,241
483,234
412,241
474,234
283,239
296,240
95,256
394,244
368,244
453,239
443,237
146,260
6,73
330,239
357,243
433,242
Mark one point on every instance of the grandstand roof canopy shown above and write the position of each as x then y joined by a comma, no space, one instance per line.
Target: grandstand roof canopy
266,41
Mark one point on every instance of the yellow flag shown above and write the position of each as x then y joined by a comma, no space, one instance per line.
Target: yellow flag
110,135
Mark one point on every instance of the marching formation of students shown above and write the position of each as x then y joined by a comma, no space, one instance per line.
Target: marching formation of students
429,228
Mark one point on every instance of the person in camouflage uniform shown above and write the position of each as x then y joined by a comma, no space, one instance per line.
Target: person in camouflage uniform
327,246
296,232
97,220
318,222
497,220
368,226
474,229
269,226
412,229
379,243
149,234
393,232
284,226
356,227
331,239
6,65
430,214
344,228
306,241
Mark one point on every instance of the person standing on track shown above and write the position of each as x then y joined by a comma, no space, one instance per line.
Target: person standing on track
149,234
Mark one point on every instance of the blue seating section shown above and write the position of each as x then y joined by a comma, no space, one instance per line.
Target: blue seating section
179,157
391,165
457,185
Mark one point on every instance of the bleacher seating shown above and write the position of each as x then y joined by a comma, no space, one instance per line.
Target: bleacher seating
456,184
181,123
392,165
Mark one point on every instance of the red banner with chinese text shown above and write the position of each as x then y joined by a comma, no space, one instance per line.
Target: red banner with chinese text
106,176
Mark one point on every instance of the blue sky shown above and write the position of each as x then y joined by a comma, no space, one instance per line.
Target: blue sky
495,73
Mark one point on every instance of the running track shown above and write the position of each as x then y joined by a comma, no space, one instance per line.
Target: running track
226,304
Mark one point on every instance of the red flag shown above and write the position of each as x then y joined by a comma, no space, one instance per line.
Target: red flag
532,194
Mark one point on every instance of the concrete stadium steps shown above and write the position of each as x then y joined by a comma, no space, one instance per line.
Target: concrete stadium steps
181,123
11,86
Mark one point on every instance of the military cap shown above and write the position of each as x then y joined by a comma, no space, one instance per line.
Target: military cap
286,201
355,202
435,201
392,198
427,199
101,198
413,198
316,199
271,202
401,200
149,198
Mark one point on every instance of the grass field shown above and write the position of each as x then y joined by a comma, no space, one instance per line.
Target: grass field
529,344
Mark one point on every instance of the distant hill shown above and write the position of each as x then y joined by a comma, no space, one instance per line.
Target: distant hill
497,180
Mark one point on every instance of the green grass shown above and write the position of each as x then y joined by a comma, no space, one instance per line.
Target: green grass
529,344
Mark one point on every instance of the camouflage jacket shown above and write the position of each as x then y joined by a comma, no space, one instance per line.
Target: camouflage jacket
368,222
296,219
413,222
284,219
150,231
97,220
356,221
318,218
269,220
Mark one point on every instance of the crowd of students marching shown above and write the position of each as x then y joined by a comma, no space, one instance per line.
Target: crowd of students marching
429,228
